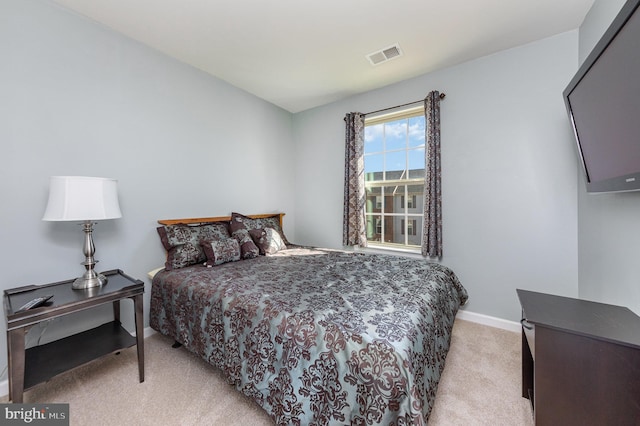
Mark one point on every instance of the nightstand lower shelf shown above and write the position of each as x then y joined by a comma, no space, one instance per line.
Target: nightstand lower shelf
47,361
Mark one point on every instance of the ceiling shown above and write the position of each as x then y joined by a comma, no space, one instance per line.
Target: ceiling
299,54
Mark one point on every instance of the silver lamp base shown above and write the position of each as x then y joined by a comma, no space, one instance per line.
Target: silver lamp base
90,278
85,282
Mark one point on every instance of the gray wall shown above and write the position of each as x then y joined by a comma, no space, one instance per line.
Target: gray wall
609,229
509,171
79,99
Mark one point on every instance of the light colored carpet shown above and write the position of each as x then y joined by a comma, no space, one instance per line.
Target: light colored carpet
481,382
480,386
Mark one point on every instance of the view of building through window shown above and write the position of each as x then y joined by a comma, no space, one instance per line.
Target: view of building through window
394,177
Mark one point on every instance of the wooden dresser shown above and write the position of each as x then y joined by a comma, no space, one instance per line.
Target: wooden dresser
580,361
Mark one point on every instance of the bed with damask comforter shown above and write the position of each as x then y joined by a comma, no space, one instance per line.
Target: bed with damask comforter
314,336
318,336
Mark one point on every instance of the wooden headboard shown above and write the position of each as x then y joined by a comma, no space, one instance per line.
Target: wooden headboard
195,220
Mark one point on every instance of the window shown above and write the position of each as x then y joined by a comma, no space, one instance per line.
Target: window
411,227
378,202
394,177
411,202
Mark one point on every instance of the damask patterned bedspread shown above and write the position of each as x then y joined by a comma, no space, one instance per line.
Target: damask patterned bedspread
318,336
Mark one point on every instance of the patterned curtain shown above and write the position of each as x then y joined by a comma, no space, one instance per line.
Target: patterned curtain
432,224
353,220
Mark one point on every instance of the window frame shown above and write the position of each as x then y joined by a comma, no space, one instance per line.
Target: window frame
378,218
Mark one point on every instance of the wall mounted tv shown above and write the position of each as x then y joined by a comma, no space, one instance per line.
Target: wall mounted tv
603,102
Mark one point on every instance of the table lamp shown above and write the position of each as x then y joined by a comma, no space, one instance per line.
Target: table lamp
85,199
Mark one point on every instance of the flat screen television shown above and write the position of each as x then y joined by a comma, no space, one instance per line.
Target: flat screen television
603,102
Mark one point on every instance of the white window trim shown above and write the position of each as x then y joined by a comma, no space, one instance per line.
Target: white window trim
390,116
385,249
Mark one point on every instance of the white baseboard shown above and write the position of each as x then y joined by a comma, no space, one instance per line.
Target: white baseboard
149,332
490,321
464,315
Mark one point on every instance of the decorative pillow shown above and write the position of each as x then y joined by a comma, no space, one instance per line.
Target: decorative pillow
183,255
182,242
221,251
265,222
240,232
268,240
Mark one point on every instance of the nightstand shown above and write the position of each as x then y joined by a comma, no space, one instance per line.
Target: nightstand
38,364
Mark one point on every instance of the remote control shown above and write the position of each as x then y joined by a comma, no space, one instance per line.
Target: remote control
35,302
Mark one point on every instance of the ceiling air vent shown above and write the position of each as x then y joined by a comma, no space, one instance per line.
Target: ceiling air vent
384,55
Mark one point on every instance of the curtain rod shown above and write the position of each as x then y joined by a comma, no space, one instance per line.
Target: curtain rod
442,96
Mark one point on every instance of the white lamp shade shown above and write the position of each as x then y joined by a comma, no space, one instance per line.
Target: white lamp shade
82,198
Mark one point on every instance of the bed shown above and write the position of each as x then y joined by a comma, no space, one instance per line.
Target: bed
313,335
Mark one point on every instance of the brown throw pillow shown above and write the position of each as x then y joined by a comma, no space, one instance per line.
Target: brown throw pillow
221,251
240,232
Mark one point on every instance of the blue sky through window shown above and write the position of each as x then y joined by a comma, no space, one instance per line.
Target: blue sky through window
389,146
